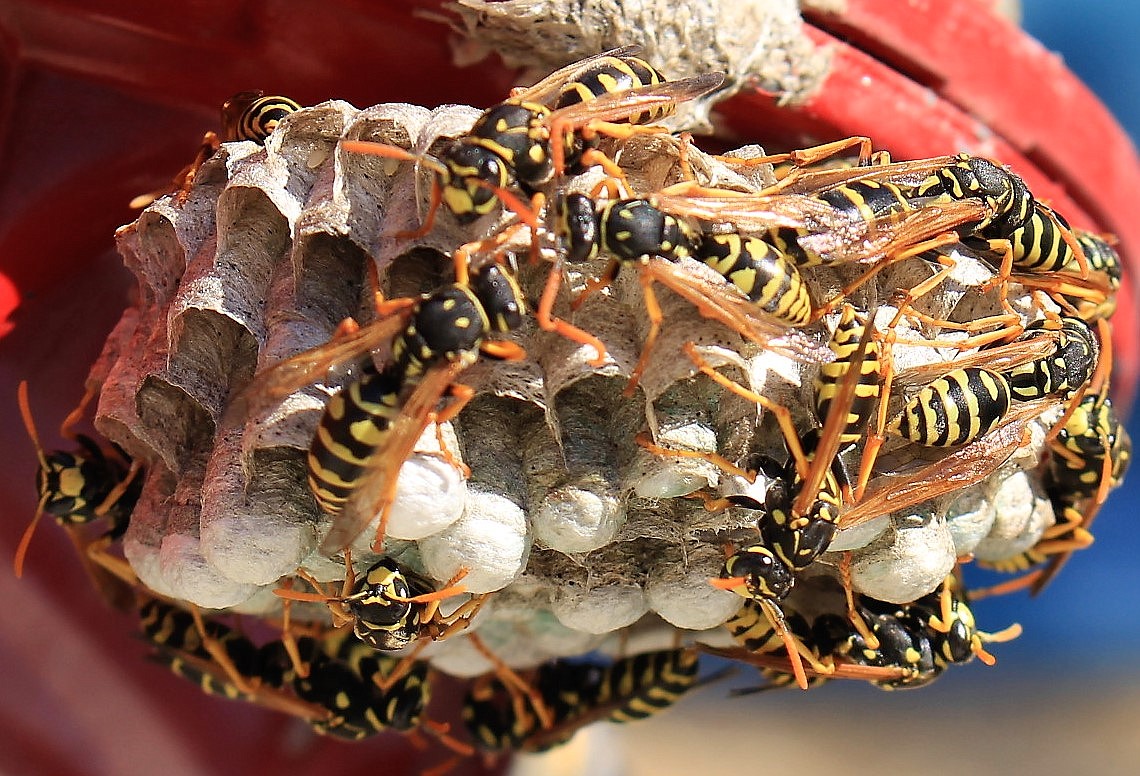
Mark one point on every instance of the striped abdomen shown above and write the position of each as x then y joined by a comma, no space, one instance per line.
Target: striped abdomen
356,421
954,409
645,684
1039,245
845,343
611,75
761,272
252,116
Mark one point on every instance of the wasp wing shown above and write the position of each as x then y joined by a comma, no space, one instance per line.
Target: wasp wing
751,212
893,234
273,384
720,301
960,469
912,173
549,88
1001,358
621,105
375,489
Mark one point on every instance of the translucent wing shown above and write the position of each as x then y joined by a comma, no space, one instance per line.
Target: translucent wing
547,90
285,377
752,212
999,359
375,489
892,234
960,469
721,301
806,181
620,105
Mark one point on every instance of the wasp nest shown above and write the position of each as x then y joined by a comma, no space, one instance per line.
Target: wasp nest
759,42
576,529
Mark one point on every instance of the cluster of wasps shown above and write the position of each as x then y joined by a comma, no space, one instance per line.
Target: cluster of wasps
758,246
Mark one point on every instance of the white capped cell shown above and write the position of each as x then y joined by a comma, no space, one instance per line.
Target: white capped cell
681,593
190,577
430,496
489,541
577,518
906,562
599,609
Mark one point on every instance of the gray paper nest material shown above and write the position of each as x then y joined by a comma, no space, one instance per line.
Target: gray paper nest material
757,42
562,511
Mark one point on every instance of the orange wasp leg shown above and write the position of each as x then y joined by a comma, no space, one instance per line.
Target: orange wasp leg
517,686
643,440
782,414
853,615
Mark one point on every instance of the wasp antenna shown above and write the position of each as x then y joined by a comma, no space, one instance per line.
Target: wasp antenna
26,539
29,422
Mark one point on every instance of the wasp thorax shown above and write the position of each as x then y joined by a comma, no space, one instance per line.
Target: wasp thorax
576,224
448,323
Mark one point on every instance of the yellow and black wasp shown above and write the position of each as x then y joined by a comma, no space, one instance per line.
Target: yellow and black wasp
1049,359
955,409
853,221
965,466
79,487
803,500
351,682
251,115
1087,458
575,695
341,688
390,606
218,658
1029,237
913,643
763,295
544,129
372,425
1093,298
923,638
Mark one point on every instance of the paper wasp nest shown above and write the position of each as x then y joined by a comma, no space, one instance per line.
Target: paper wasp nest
576,529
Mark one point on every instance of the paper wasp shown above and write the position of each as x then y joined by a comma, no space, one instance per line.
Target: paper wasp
372,425
217,658
345,689
245,116
79,487
1087,459
762,296
802,504
390,606
575,695
914,643
863,221
544,129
